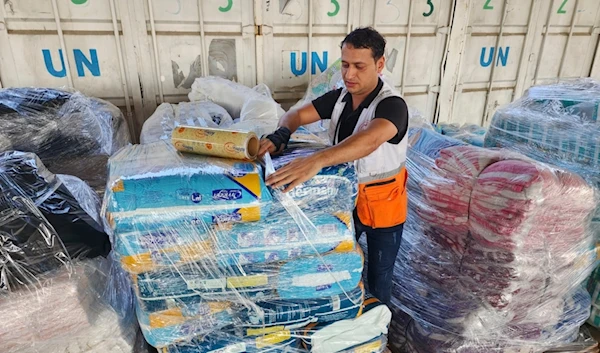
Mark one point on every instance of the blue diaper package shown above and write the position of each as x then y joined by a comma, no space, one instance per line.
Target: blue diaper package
175,320
231,244
299,313
147,178
333,189
224,341
165,322
303,278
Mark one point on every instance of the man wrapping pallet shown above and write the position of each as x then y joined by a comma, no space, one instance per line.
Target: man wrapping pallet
369,123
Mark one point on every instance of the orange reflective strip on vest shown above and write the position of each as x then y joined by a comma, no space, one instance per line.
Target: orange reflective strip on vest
383,203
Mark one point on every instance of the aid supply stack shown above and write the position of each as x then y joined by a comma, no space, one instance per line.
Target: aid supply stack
70,206
494,251
52,299
71,133
50,139
469,133
557,124
221,262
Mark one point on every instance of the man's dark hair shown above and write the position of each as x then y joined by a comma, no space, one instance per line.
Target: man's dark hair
366,38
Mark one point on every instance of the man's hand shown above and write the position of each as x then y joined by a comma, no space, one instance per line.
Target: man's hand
295,173
266,145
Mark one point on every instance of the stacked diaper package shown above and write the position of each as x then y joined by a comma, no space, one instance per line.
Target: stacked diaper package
221,262
494,251
557,124
55,295
71,133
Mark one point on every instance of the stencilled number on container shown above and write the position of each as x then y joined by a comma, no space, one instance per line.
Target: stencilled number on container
387,11
431,7
337,8
488,5
561,9
228,7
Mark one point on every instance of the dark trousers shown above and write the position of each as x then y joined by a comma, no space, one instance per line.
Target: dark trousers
382,248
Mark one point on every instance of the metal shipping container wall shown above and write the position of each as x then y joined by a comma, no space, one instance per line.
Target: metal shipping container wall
454,60
301,38
499,48
77,44
194,38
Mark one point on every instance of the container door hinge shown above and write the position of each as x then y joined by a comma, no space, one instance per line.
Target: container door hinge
258,30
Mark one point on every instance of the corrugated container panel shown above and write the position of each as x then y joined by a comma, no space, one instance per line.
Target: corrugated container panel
77,44
194,38
500,48
496,38
300,39
568,41
416,34
454,60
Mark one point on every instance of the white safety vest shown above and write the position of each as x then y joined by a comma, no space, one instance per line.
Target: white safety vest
388,159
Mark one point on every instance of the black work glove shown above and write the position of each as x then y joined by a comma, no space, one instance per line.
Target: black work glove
280,138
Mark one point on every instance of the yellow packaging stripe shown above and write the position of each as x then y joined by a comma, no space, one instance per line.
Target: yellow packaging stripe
263,331
250,182
118,187
166,318
368,348
216,307
174,316
250,214
247,281
216,142
345,246
188,253
274,338
345,217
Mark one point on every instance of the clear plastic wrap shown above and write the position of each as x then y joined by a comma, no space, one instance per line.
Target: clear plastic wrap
51,298
217,103
29,245
579,97
232,96
71,133
469,133
221,262
68,312
553,124
169,116
593,287
493,253
326,81
65,202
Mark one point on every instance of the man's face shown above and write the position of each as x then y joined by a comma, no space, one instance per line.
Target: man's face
359,70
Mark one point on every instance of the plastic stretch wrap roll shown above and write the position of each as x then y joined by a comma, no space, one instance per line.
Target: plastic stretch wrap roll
216,142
